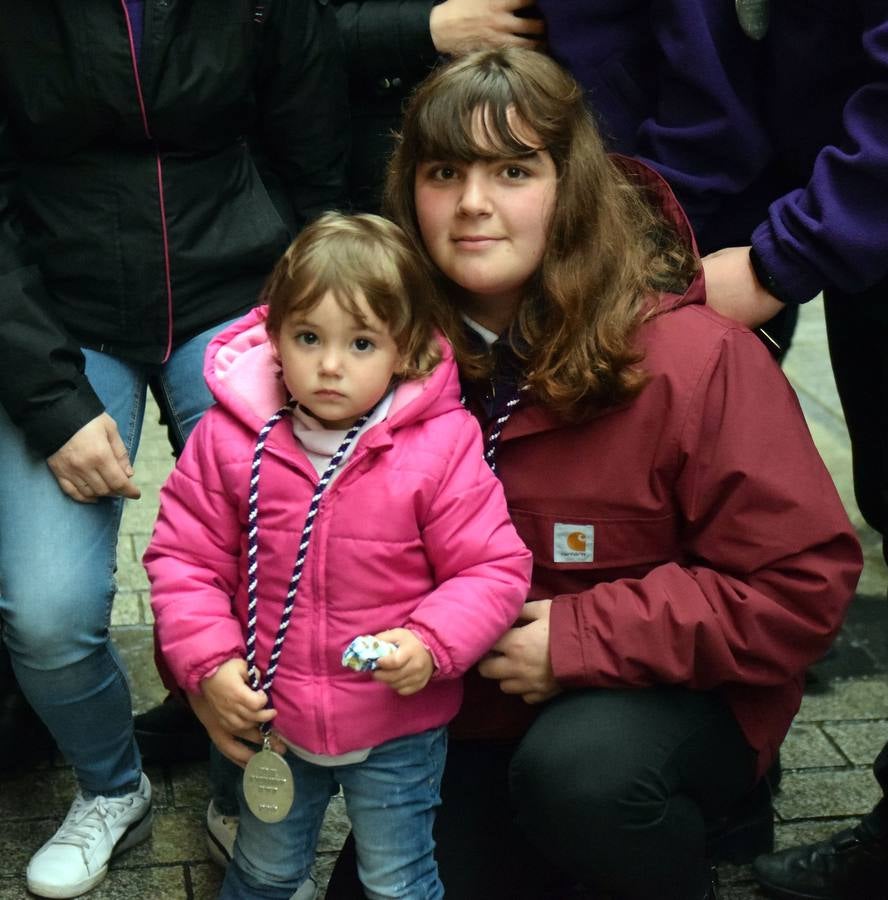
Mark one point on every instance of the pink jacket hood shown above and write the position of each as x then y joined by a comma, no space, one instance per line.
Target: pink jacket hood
240,371
412,533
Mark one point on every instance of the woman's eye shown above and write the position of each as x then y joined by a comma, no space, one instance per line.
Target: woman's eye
443,173
363,344
309,338
514,172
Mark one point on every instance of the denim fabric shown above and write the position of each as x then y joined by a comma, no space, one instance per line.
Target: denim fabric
57,564
390,798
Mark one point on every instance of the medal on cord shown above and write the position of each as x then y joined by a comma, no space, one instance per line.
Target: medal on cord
268,781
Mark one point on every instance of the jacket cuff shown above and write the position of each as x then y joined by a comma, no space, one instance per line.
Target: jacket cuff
54,425
416,35
790,281
565,646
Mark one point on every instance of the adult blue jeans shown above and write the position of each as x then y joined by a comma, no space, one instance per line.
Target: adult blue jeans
57,567
390,798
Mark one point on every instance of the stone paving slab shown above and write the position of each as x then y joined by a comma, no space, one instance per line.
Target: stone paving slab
827,780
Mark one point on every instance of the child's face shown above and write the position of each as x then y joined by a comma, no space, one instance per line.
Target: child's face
336,367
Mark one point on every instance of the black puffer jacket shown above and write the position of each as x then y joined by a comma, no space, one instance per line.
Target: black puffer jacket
137,212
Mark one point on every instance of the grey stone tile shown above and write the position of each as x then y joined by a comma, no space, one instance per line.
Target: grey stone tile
806,746
795,834
127,610
142,883
206,879
859,741
825,793
865,698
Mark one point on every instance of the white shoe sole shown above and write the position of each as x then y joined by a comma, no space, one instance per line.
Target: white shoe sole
135,834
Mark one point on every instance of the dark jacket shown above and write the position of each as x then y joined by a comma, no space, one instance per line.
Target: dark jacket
388,49
136,212
675,83
792,130
673,545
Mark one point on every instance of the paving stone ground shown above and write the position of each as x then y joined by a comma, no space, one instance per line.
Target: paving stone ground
827,781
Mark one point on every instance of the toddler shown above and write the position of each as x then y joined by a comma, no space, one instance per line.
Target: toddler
336,491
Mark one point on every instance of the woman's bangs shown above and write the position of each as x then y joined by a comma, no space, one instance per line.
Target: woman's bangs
473,121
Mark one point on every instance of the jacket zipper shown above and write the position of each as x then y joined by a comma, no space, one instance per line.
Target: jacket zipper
159,167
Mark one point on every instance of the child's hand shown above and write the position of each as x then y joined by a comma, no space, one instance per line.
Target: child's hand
238,708
409,668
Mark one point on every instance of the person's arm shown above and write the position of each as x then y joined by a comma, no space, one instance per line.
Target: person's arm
386,39
43,387
193,563
832,232
398,39
770,559
302,99
481,566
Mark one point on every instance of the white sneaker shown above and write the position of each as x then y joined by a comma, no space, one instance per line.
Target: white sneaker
221,832
308,890
75,858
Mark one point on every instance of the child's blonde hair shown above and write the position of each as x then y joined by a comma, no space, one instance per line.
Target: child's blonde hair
360,255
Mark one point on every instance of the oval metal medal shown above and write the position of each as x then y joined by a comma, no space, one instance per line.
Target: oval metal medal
754,16
268,786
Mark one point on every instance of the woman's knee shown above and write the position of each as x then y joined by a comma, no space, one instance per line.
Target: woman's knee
52,620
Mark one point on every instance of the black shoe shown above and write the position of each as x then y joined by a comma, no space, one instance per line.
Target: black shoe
171,733
746,831
851,865
24,739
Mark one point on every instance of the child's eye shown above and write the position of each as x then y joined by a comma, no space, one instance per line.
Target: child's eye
309,338
363,344
515,172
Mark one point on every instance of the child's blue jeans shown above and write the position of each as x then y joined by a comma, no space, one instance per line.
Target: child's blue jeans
390,798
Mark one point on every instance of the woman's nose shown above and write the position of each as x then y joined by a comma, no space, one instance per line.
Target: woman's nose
475,197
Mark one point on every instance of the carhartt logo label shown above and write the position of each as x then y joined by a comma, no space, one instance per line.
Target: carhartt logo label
573,543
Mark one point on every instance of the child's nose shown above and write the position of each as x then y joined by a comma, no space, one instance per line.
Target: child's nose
331,361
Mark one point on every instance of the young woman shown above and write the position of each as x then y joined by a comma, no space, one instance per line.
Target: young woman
691,556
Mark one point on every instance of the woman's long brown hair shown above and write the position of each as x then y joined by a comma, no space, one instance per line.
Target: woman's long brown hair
608,252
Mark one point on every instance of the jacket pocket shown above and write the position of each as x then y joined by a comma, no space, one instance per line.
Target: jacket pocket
625,545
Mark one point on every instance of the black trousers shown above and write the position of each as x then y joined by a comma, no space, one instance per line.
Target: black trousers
857,329
610,789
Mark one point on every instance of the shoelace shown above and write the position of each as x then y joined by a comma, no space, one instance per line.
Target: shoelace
88,820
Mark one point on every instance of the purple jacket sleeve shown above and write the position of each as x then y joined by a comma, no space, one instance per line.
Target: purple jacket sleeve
834,230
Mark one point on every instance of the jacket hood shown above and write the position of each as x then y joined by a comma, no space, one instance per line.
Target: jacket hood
661,195
244,378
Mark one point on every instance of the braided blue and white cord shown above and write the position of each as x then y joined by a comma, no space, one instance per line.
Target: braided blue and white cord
253,550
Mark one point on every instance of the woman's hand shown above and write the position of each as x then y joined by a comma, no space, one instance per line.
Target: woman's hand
459,26
521,661
409,668
234,703
94,463
733,290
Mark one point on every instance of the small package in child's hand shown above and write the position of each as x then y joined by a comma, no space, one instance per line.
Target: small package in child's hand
364,651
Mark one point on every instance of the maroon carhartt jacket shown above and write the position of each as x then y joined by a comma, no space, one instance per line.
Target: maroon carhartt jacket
690,537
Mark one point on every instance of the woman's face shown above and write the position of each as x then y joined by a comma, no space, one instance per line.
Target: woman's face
485,224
